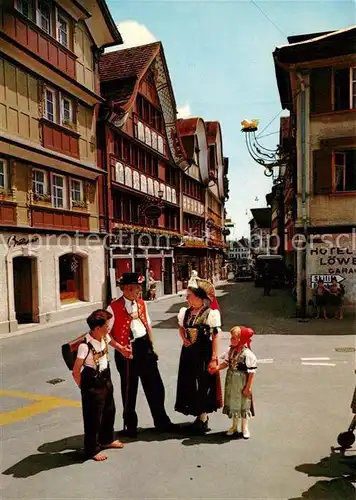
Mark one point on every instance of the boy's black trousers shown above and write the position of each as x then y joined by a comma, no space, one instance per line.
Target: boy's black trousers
98,410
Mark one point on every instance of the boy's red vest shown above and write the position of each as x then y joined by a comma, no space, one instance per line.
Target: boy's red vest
121,328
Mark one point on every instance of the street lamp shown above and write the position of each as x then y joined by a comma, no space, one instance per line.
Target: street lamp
267,158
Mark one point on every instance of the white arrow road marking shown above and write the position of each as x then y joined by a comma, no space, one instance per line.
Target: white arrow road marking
315,359
318,364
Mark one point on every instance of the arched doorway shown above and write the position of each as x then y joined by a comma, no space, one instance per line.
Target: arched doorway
25,289
71,278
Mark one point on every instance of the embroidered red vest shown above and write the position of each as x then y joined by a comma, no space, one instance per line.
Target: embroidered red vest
121,328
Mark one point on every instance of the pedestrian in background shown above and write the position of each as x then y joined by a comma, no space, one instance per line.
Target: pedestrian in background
321,292
242,365
267,280
336,295
152,287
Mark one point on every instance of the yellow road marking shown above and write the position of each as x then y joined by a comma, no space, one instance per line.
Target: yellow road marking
43,404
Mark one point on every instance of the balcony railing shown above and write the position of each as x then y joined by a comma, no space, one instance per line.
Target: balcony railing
148,135
134,179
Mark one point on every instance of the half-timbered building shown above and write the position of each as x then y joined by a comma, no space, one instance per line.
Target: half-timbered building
142,154
50,270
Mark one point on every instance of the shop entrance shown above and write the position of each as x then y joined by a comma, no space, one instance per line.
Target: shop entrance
25,289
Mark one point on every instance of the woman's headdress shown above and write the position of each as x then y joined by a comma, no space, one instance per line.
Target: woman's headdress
208,288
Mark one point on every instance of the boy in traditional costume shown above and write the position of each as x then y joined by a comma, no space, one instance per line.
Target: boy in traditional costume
91,373
130,326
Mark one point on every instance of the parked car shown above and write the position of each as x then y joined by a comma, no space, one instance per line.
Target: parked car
244,274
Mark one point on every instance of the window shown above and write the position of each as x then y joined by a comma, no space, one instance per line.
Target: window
77,191
58,108
44,16
58,191
66,110
50,105
39,182
344,88
23,6
70,278
345,170
4,183
62,30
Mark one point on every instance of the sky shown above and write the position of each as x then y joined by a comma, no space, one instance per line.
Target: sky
219,55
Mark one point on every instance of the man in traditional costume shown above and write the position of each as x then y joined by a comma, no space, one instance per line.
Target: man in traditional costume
131,326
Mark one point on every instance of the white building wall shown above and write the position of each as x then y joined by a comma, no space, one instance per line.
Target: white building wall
46,252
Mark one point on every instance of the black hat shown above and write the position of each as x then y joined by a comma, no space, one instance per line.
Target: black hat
131,279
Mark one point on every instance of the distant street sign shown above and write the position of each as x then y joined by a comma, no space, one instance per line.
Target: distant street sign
326,278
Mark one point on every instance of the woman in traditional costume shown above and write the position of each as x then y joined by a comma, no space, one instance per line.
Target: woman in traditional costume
198,391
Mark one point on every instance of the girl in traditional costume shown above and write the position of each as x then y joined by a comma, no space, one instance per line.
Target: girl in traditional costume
242,365
198,391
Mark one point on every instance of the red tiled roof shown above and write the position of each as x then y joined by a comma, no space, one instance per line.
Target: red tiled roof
187,126
127,63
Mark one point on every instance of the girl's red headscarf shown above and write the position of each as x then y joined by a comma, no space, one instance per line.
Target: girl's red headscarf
245,337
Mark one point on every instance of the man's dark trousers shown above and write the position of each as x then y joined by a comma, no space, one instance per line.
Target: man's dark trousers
143,366
98,410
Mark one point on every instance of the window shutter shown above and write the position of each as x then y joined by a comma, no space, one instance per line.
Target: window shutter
323,181
320,90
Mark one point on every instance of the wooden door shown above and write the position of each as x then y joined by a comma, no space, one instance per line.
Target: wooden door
23,289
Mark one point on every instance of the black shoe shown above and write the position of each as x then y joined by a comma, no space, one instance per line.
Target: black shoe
170,427
200,427
130,433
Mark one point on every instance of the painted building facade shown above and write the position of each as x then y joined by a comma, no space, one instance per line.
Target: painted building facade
143,159
316,76
52,258
204,191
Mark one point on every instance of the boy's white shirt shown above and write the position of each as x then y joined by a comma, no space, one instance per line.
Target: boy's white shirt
98,346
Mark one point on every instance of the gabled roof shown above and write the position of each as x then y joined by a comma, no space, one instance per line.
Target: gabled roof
121,73
317,46
310,41
187,126
128,63
100,23
211,131
127,66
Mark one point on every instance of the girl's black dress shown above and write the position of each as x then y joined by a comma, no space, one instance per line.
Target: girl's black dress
197,390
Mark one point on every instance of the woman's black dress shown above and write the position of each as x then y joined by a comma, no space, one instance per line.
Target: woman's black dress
197,390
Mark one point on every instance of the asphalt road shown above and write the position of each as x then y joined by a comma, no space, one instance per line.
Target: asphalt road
301,406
